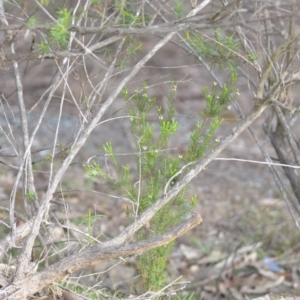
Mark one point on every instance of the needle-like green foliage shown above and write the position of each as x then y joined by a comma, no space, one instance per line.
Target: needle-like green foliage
157,169
59,33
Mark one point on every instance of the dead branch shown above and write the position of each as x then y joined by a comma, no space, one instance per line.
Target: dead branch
33,283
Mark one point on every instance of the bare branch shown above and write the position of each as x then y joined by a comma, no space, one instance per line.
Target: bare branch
33,283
